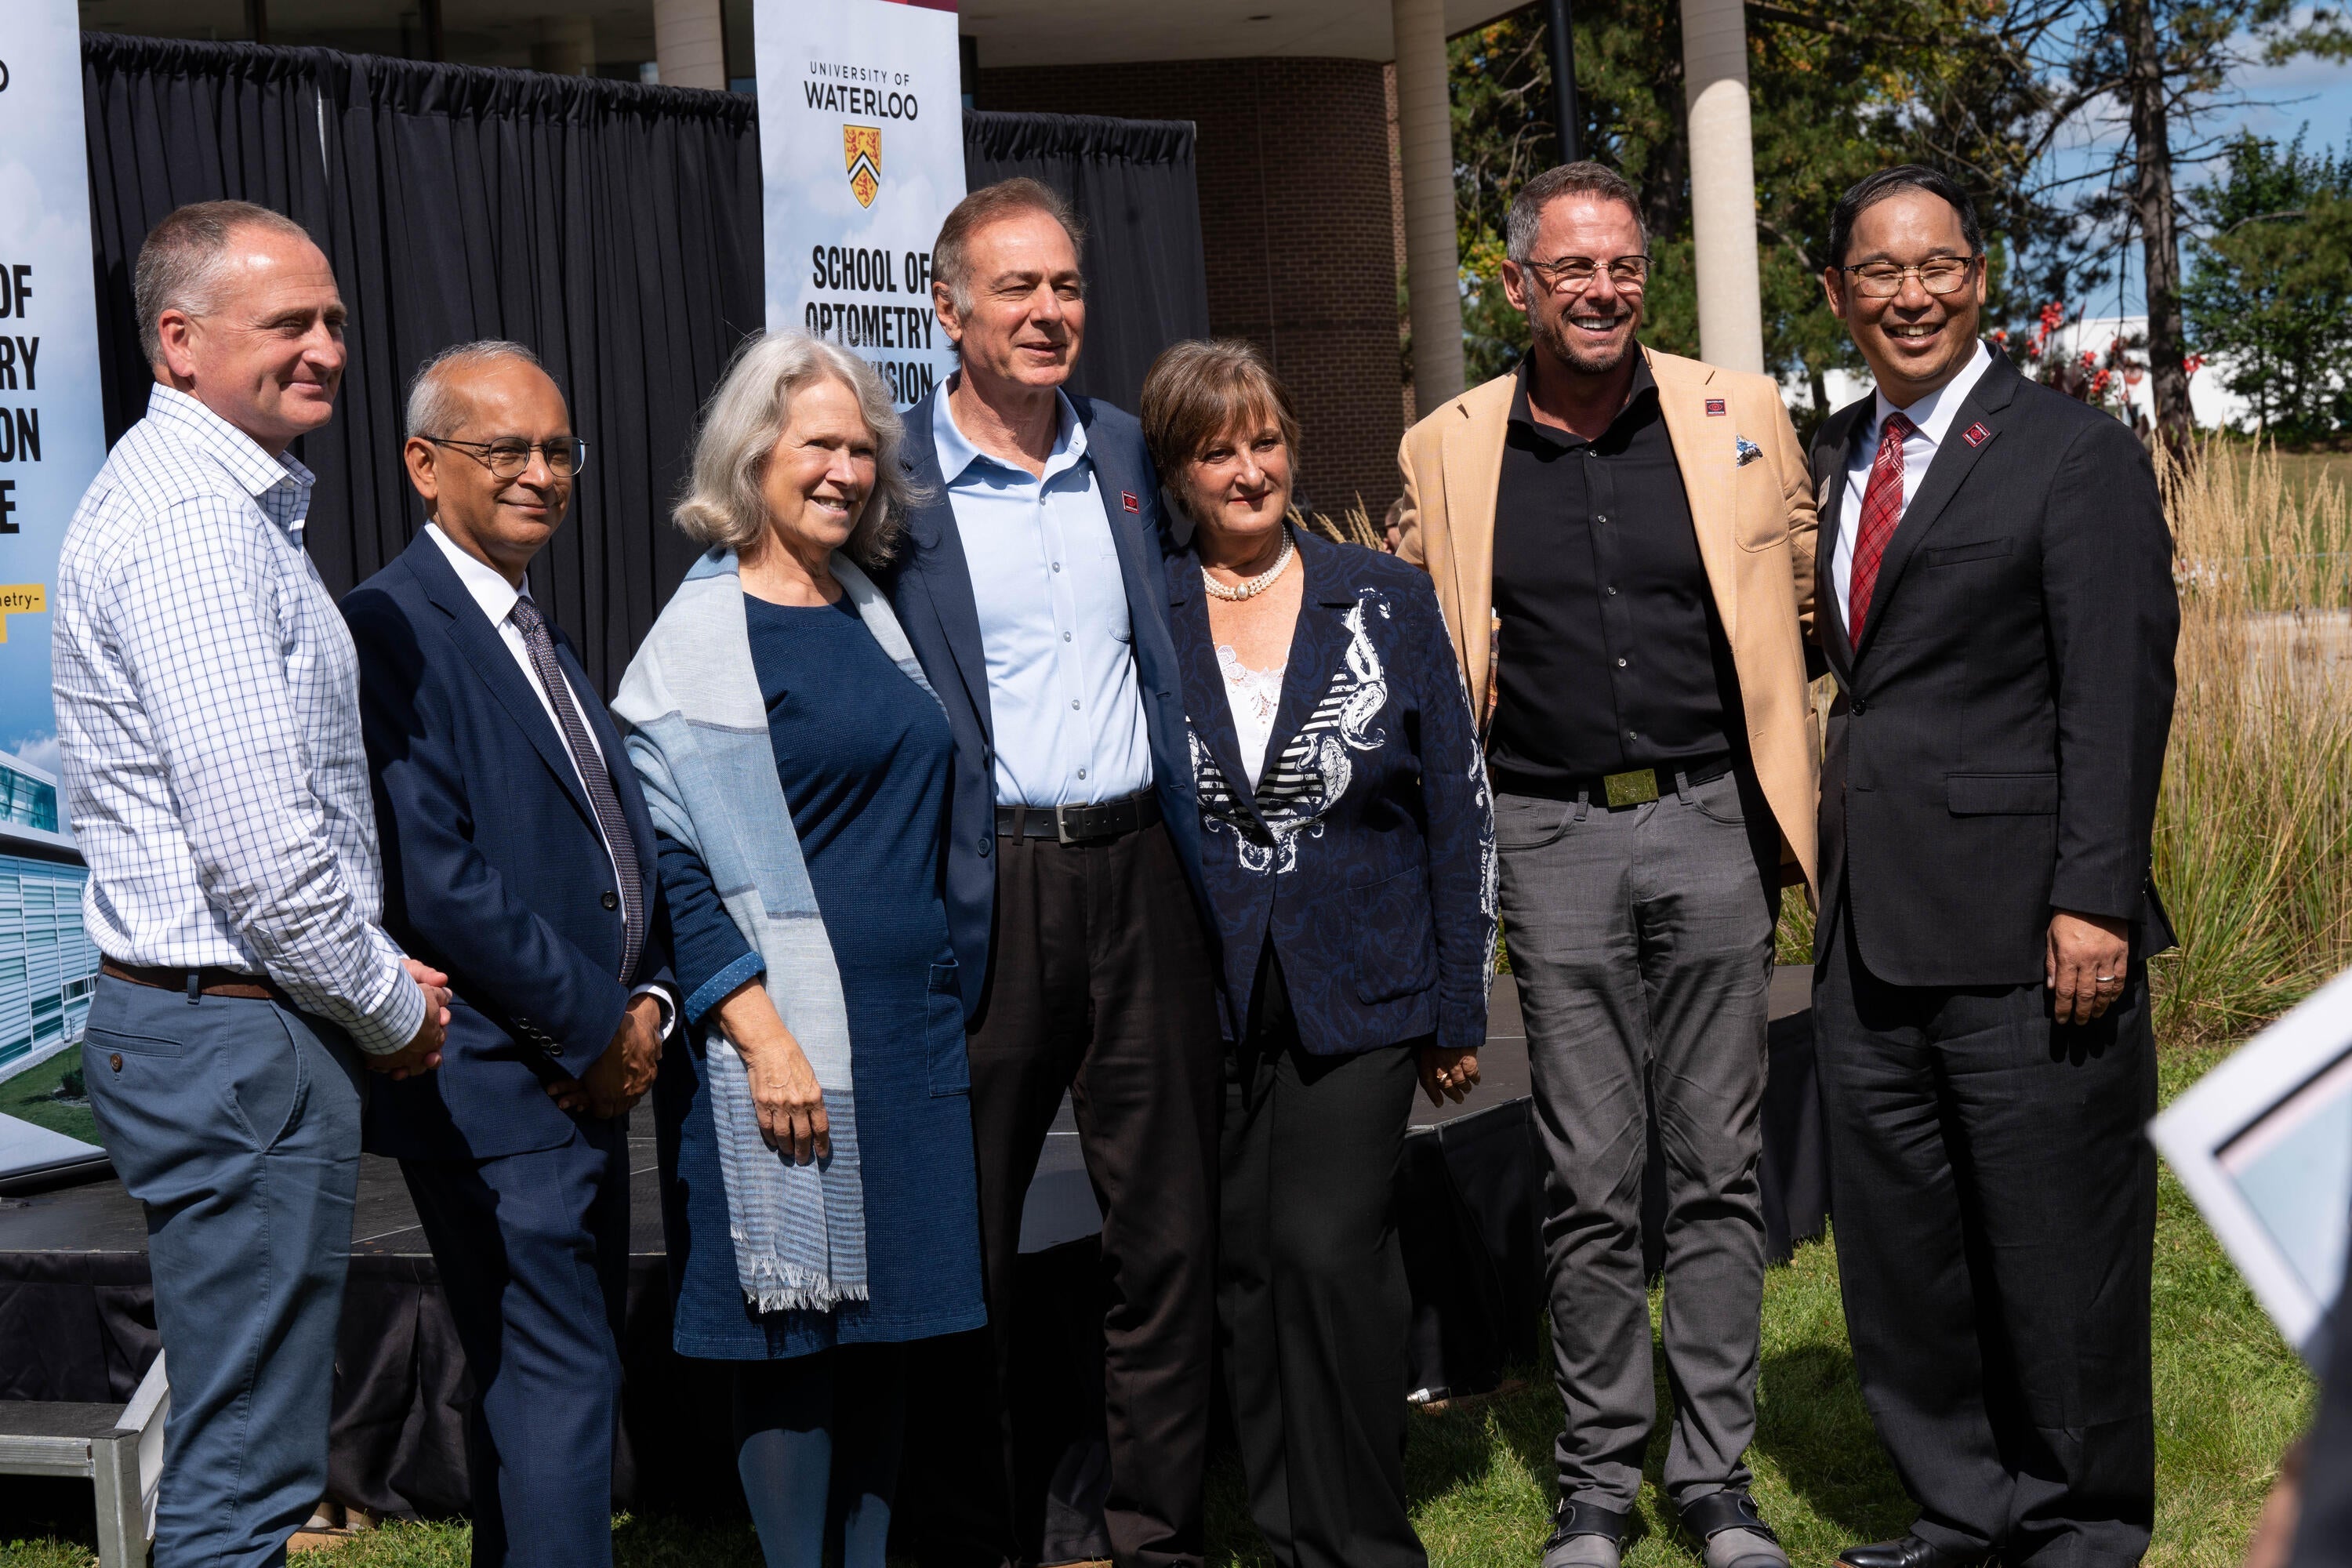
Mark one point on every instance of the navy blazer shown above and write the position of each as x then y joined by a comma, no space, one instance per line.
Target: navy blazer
494,868
1367,850
929,587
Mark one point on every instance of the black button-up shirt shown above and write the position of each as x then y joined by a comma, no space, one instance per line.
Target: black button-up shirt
1611,658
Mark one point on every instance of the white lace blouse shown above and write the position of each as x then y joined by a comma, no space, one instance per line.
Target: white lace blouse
1256,697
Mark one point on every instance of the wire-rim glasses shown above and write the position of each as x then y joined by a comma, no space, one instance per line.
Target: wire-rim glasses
508,460
1939,275
1579,271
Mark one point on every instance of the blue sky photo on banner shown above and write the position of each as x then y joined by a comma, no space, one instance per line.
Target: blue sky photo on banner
52,432
861,145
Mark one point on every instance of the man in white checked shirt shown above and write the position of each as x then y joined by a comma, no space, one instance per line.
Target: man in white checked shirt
208,716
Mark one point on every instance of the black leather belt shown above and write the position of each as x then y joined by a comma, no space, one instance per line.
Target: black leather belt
1635,786
1079,824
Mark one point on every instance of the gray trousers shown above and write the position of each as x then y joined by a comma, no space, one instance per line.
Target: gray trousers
1641,942
237,1123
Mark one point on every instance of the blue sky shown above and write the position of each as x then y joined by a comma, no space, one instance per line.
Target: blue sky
2280,99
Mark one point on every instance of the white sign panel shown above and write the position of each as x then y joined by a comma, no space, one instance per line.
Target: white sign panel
52,428
861,152
2264,1144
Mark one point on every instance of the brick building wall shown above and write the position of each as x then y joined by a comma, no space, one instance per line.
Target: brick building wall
1299,227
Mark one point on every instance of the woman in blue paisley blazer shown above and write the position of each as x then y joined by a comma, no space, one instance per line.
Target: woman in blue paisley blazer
1348,847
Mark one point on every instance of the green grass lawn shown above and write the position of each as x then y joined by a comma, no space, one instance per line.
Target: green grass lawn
30,1096
2229,1396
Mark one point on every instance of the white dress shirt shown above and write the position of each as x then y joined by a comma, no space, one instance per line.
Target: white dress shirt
1933,414
497,596
1065,711
208,717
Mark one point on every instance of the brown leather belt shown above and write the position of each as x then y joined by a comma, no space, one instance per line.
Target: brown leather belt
196,983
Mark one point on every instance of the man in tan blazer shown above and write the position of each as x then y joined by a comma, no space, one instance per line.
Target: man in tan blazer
1623,544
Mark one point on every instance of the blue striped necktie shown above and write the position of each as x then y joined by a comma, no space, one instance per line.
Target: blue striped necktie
609,816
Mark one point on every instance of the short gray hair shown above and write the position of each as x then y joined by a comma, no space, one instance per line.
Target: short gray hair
180,261
1006,198
435,405
720,506
1584,178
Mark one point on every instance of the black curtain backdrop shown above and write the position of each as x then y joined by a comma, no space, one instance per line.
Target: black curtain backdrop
607,226
1131,181
613,228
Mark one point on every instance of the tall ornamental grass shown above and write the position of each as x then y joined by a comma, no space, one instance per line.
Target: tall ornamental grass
2255,816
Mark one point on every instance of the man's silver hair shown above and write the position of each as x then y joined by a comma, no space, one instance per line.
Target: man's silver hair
181,259
436,405
721,507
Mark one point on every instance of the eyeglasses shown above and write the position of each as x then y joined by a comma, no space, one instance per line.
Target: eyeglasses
1883,280
507,459
1577,271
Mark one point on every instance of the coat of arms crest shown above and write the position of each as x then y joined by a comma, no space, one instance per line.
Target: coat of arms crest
861,151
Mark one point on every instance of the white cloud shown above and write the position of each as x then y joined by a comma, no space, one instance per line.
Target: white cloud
41,751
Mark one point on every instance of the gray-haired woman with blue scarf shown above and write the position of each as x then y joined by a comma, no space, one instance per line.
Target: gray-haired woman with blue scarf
818,1192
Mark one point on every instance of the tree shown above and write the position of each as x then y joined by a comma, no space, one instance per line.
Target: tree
2164,65
2269,297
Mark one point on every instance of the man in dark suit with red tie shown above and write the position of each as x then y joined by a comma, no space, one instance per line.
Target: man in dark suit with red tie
1999,615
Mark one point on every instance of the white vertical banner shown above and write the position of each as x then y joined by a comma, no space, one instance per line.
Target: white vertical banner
861,155
52,425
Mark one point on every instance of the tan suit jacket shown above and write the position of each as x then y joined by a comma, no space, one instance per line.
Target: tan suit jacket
1755,527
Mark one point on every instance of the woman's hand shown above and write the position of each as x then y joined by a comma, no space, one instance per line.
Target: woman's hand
1448,1074
784,1090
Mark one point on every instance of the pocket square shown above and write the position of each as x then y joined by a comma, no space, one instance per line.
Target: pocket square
1748,451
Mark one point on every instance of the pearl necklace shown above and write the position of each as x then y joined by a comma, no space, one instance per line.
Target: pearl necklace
1251,587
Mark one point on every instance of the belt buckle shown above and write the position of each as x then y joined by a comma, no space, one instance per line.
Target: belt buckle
1062,825
1636,788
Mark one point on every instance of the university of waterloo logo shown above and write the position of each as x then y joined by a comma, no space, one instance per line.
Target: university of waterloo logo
861,151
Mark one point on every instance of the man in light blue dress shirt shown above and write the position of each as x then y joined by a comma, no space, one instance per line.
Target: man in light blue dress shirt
1032,590
1054,618
207,699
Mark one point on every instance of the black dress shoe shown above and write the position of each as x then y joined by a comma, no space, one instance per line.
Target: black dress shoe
1908,1552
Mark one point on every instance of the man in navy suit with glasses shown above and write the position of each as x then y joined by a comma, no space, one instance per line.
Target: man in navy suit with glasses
518,852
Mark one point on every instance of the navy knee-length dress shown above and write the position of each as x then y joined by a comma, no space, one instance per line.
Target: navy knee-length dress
864,755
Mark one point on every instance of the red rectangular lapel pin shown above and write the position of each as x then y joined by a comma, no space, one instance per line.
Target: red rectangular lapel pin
1715,407
1127,498
1976,435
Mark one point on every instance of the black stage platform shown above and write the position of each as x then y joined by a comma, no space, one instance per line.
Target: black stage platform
77,1318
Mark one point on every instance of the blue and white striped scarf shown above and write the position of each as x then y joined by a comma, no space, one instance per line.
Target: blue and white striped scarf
701,744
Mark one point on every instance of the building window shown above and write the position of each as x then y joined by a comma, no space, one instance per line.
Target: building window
27,801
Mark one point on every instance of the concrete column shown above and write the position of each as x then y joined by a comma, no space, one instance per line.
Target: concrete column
690,43
566,46
1425,151
1723,185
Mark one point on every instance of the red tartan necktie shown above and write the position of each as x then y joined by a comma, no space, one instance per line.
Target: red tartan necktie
1882,509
